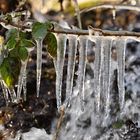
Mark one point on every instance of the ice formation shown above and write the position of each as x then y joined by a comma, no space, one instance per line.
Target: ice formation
72,49
59,64
39,65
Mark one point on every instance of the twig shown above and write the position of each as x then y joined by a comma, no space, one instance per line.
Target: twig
97,31
77,10
82,32
59,123
115,7
14,24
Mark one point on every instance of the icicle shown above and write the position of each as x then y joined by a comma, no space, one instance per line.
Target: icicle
120,46
19,88
59,64
12,94
71,66
83,42
97,71
8,91
39,65
22,80
24,86
25,81
5,92
106,44
114,14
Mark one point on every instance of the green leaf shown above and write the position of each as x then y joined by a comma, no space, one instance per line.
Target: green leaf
14,52
9,80
118,124
15,65
22,35
49,25
10,69
39,30
12,33
20,51
11,38
11,43
26,43
23,53
51,42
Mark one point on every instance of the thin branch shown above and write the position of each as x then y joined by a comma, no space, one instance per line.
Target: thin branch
115,7
97,31
77,10
59,123
79,32
14,24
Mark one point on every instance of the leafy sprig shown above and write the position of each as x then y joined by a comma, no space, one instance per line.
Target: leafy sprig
41,31
18,44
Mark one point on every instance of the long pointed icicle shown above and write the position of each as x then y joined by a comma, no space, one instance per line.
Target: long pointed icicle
71,67
5,92
21,80
61,49
120,46
39,65
107,44
83,42
98,64
24,84
97,71
12,94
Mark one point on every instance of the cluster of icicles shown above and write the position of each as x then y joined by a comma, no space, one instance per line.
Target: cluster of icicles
102,69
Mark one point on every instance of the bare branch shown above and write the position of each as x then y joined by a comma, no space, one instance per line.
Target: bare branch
115,7
79,32
77,10
14,24
97,31
59,123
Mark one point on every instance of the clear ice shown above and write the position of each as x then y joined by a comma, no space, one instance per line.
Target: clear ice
72,50
5,92
59,64
24,84
83,43
98,63
106,44
22,81
12,94
120,46
39,65
114,14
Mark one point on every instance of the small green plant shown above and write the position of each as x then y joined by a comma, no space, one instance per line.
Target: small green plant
18,45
